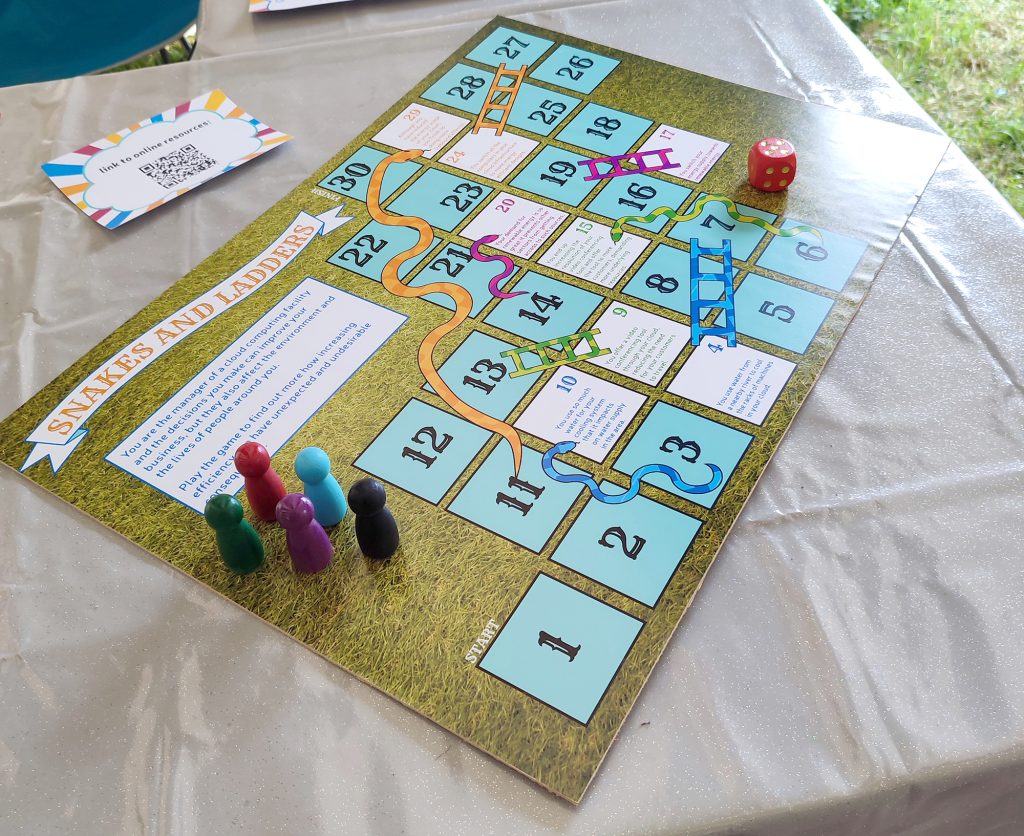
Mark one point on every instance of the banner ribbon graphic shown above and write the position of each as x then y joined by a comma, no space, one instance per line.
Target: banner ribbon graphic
60,432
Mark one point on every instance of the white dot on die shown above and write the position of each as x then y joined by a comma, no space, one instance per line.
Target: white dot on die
785,169
782,182
769,171
767,184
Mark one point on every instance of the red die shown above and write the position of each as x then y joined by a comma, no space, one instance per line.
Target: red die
771,164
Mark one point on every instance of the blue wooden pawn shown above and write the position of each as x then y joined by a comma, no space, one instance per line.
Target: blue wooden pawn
313,467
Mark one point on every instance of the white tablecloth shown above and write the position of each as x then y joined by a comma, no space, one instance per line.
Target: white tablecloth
853,662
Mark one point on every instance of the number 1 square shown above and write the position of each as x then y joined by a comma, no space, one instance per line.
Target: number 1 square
562,647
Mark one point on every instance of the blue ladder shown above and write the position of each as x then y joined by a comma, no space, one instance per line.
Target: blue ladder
698,305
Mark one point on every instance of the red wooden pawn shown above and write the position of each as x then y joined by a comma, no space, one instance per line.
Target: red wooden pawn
263,486
771,164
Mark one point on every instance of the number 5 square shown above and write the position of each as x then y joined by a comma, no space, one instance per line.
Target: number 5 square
778,313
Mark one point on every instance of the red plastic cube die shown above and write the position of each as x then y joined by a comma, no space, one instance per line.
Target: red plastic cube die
771,164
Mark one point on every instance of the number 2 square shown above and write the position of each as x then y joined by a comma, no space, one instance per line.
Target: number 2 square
633,548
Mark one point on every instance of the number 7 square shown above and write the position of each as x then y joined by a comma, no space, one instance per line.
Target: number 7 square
714,224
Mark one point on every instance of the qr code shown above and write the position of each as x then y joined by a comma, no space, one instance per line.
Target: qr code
173,169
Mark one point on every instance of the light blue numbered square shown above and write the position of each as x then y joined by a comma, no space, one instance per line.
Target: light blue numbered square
826,263
664,279
462,87
454,264
509,47
441,199
556,173
423,450
633,548
577,69
604,129
479,375
524,508
547,308
540,111
562,647
714,225
638,194
353,176
778,313
373,247
694,443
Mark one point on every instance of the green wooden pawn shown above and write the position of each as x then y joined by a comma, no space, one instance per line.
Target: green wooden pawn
239,544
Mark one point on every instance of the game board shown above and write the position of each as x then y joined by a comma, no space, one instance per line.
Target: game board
455,305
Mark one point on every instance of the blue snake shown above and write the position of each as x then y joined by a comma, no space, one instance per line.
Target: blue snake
548,463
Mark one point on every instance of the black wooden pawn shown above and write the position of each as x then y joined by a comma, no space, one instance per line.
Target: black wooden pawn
376,529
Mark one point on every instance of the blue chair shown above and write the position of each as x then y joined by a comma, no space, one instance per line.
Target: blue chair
46,39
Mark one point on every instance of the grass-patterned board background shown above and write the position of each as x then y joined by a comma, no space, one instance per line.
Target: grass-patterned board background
408,625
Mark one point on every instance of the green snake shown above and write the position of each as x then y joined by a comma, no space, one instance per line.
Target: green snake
698,207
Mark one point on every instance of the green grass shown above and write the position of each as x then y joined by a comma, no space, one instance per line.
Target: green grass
963,61
175,52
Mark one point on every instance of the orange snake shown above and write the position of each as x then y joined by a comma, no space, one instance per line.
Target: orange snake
459,295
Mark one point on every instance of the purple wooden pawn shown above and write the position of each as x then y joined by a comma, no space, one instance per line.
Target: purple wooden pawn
308,543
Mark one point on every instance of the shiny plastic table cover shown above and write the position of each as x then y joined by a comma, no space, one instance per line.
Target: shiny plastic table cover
853,662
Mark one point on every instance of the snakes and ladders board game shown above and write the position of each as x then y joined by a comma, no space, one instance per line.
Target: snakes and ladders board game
539,301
